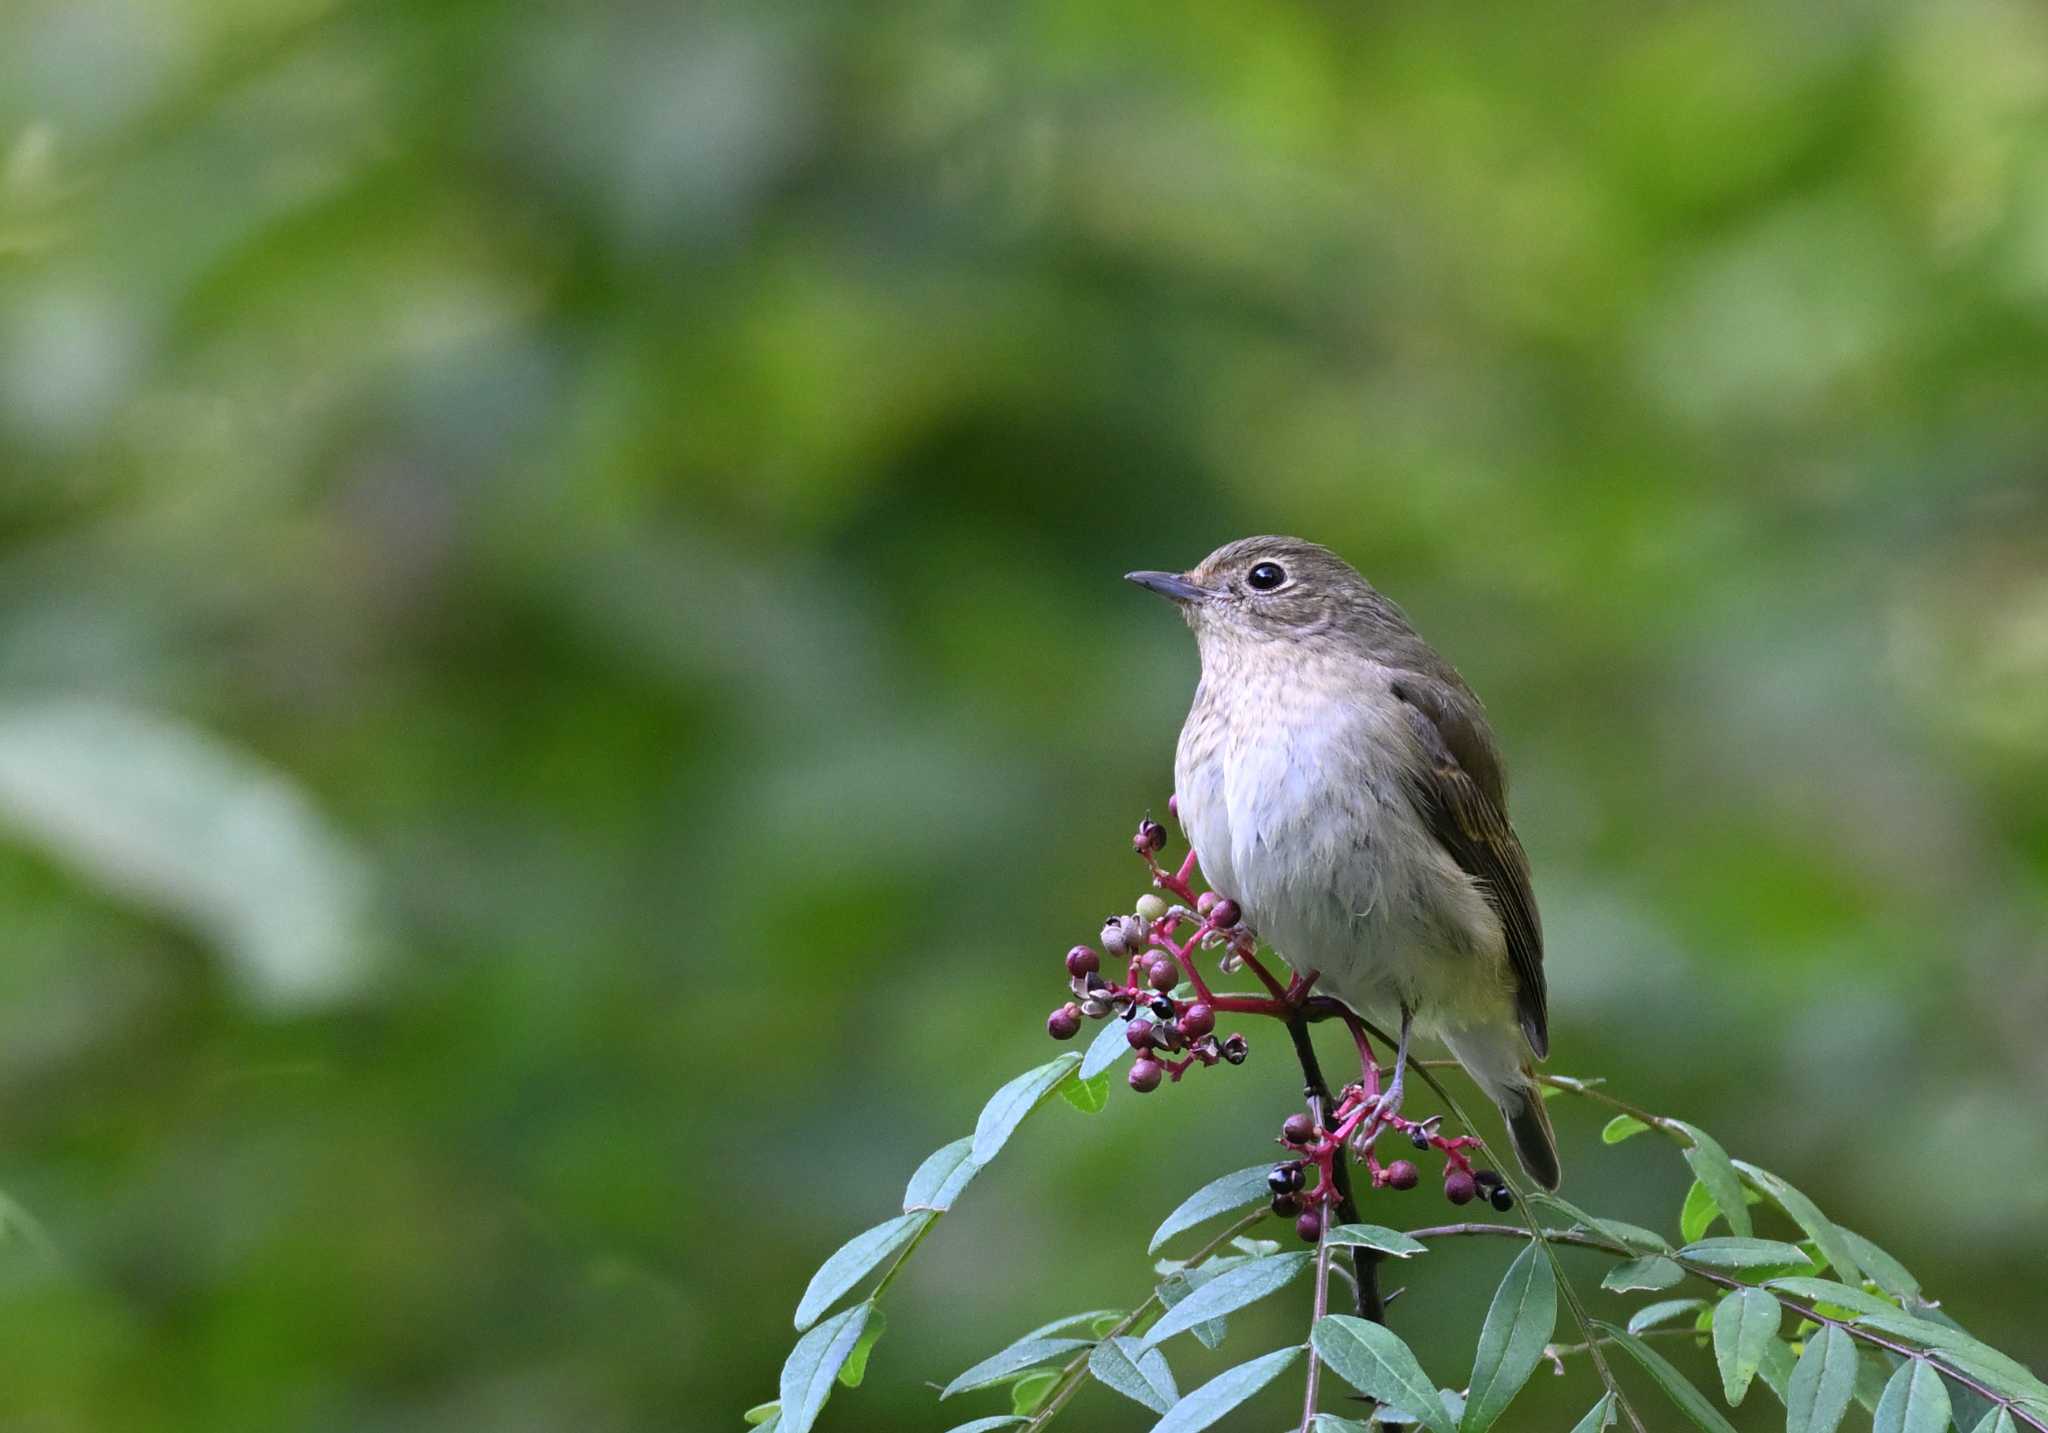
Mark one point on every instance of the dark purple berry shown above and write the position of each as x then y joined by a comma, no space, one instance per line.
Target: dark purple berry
1146,1075
1197,1020
1458,1186
1309,1226
1226,914
1234,1049
1162,1007
1299,1129
1500,1199
1419,1137
1064,1023
1402,1174
1488,1180
1083,961
1284,1178
1151,837
1287,1205
1139,1033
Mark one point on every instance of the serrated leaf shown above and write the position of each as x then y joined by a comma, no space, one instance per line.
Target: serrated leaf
855,1260
1088,1096
1663,1311
812,1366
1007,1107
1699,1213
1111,1043
944,1173
990,1424
1712,1167
1652,1272
1914,1401
1027,1393
1833,1244
1885,1271
1620,1128
1138,1373
1228,1292
856,1366
761,1412
1373,1359
1599,1416
1690,1401
1224,1392
1834,1294
1218,1196
1373,1236
1747,1255
1518,1325
1744,1323
1025,1353
1822,1383
1998,1420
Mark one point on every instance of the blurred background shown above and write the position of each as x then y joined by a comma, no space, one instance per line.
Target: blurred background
564,682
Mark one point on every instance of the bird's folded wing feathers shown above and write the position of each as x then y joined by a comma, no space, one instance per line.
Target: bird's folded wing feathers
1461,795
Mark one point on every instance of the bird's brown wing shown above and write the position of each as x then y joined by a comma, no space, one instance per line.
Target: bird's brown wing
1462,798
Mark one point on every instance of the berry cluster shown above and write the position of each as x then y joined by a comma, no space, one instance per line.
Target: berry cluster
1359,1121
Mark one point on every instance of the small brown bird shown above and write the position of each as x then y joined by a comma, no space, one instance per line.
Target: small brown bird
1338,779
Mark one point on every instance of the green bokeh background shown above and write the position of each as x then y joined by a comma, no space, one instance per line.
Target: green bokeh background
564,683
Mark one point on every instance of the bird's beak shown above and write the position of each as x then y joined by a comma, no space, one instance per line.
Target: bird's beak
1169,584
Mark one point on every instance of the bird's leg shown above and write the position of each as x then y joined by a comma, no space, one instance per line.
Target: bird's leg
1390,1102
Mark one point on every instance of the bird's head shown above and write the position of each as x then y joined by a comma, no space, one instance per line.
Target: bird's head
1271,589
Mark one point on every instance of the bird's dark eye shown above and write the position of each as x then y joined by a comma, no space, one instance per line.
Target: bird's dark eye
1265,576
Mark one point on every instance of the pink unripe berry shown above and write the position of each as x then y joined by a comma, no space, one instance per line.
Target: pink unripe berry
1309,1226
1139,1033
1299,1129
1146,1075
1162,976
1064,1022
1206,902
1083,961
1402,1174
1151,837
1225,914
1197,1020
1459,1186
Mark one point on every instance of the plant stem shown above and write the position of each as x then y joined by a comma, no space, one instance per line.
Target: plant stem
1322,1302
1364,1262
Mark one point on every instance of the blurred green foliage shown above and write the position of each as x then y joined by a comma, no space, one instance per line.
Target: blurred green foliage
563,681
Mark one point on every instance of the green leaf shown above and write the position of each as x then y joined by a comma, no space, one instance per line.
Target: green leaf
1388,1416
1372,1359
1007,1107
1748,1255
809,1371
1691,1402
1024,1354
1373,1236
1663,1311
855,1260
2006,1376
1834,1245
1998,1420
1834,1295
1822,1384
1225,1391
1232,1191
1744,1324
1712,1167
856,1366
944,1173
1227,1292
1599,1416
1110,1044
1699,1213
1027,1393
1089,1096
1518,1325
761,1413
1175,1289
1620,1128
1888,1273
1331,1423
989,1425
1629,1236
1138,1373
1651,1272
1775,1367
1061,1325
1915,1401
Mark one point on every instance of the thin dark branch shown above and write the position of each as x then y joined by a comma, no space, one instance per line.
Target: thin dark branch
1364,1262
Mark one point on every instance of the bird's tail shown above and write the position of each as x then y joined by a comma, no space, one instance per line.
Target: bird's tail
1498,1058
1529,1127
